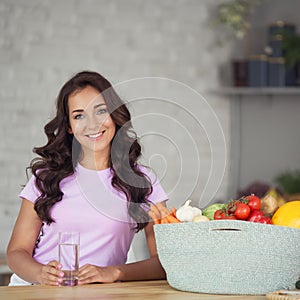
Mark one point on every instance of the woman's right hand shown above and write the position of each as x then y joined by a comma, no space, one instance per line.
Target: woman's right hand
51,273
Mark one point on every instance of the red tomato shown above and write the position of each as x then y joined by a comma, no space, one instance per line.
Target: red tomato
228,217
218,214
259,217
232,205
255,216
242,211
265,220
254,202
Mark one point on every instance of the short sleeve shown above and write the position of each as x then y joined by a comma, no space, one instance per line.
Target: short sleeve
158,193
30,191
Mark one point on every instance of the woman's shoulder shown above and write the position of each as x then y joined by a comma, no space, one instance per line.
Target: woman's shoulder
158,193
149,172
31,191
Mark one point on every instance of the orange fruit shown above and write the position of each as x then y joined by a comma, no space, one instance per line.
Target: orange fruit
288,214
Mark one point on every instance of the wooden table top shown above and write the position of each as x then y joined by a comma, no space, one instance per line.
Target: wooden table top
146,290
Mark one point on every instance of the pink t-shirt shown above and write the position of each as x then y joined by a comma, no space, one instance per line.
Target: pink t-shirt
91,206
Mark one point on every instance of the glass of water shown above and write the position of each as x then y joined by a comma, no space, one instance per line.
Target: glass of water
68,256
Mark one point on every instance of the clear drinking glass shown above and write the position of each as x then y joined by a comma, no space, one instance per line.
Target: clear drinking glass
68,256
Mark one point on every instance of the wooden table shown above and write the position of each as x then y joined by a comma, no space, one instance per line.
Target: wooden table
139,290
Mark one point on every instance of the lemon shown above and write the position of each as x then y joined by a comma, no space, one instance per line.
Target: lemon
288,214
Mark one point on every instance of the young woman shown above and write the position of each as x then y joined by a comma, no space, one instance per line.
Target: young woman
86,179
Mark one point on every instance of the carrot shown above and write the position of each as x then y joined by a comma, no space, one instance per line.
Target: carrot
172,219
164,220
162,215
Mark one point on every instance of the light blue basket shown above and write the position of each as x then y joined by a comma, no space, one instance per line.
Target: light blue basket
229,257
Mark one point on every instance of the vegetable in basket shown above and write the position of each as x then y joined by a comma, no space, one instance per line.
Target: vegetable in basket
259,217
245,208
288,214
186,213
210,210
269,204
200,218
162,215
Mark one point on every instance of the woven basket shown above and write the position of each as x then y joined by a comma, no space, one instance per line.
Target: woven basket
229,257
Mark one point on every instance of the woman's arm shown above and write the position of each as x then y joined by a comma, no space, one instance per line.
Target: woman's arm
21,246
148,269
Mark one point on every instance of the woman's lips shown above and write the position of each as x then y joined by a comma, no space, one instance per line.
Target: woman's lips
95,135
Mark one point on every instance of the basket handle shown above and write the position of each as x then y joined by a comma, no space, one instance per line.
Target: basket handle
227,225
225,229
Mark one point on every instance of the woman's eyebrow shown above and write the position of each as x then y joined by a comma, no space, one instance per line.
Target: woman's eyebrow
77,110
98,105
82,110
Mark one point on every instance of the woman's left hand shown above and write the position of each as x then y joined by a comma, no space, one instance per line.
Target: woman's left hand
90,273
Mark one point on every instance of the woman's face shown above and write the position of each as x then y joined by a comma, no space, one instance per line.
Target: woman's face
90,122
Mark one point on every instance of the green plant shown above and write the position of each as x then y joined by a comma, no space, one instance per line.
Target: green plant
235,15
289,181
291,48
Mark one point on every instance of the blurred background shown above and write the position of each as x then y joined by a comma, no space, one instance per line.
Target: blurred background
221,115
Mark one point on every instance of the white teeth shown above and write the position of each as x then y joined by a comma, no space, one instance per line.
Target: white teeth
93,136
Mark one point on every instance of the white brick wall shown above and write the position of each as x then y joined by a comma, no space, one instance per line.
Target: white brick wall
42,43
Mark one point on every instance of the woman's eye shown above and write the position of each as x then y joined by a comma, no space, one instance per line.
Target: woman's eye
102,111
77,117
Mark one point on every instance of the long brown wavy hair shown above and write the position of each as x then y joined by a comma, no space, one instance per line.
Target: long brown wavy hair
58,158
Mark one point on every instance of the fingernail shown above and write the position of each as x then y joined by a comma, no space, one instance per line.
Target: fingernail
61,274
59,280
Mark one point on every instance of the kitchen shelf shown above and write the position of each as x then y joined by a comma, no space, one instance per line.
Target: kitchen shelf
261,116
258,91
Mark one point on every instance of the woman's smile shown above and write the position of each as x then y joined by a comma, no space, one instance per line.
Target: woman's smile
96,136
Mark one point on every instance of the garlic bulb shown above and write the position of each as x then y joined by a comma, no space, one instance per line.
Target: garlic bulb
186,213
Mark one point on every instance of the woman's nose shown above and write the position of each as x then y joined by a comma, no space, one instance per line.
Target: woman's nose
93,123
